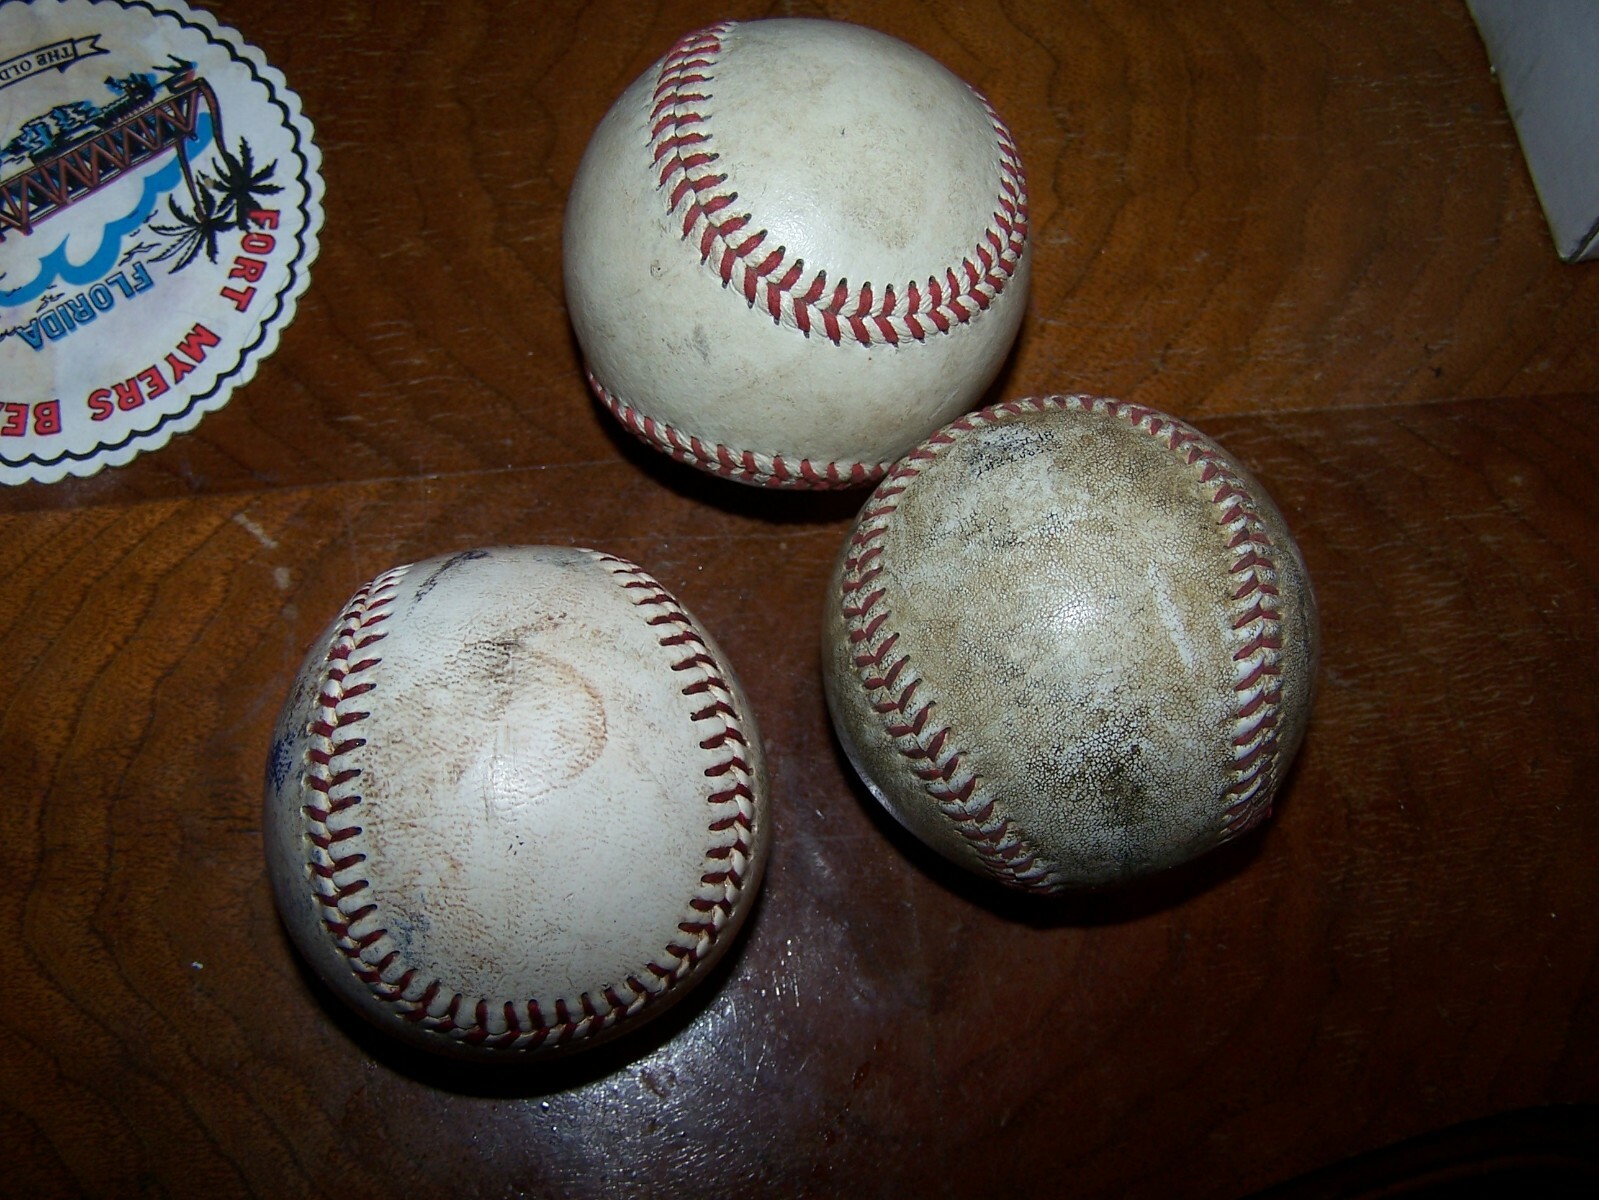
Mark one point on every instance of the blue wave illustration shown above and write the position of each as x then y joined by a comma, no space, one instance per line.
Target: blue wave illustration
55,267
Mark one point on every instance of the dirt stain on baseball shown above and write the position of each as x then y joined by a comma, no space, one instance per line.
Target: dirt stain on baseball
550,727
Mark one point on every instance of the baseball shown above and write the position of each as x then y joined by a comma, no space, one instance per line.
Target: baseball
1070,642
793,249
515,802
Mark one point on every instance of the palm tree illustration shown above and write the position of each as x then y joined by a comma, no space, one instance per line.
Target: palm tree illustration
193,231
239,185
221,203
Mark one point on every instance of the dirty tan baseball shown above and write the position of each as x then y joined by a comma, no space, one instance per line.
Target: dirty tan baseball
515,802
793,249
1070,642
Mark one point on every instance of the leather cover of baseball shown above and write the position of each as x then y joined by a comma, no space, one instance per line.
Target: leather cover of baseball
515,802
793,249
1070,642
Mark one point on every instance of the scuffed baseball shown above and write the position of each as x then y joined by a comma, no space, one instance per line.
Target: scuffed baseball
1070,642
793,249
515,802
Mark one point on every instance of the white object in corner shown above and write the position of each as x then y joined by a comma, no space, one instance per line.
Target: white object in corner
1546,54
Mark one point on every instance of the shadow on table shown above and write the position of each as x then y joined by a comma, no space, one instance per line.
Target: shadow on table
774,505
1550,1153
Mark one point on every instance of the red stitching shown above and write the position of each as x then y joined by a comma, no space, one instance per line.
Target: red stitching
688,175
999,847
732,798
360,628
1257,624
1257,616
356,930
747,466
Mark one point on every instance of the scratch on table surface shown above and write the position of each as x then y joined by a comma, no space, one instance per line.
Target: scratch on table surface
255,530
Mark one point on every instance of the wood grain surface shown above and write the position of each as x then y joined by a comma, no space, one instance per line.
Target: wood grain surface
1304,226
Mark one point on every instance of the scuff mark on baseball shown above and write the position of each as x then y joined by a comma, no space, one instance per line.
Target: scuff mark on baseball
1069,642
515,802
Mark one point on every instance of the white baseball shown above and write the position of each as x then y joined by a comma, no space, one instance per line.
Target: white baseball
515,802
1070,642
793,249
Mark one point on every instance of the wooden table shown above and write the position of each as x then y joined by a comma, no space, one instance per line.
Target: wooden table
1304,226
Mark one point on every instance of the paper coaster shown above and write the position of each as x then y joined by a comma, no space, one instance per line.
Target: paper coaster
160,199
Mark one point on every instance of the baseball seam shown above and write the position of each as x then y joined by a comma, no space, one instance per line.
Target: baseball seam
890,680
790,292
340,885
732,796
746,466
1256,627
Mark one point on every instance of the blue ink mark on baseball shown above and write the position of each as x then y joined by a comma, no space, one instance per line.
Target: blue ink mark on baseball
280,760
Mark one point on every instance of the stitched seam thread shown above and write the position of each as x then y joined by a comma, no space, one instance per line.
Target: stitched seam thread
730,780
891,682
766,470
1255,601
729,242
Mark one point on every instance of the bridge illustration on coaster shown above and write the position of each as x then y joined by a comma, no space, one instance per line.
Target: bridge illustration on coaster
77,149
